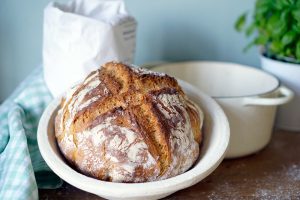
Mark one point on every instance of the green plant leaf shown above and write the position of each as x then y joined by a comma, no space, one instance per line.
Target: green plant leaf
288,38
296,27
275,46
288,2
285,14
261,25
273,20
261,3
276,26
278,4
240,22
296,14
289,52
277,23
250,30
298,50
262,6
283,4
261,40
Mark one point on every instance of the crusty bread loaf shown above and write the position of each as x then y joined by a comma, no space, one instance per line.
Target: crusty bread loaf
125,124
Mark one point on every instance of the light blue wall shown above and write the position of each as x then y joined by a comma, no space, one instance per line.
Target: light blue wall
168,30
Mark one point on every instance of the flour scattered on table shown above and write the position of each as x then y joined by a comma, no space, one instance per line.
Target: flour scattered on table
293,172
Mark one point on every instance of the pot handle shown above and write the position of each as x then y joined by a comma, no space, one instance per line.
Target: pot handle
285,96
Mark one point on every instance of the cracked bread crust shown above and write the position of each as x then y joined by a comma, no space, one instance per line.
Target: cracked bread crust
124,124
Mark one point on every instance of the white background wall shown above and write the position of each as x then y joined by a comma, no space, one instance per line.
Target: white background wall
167,30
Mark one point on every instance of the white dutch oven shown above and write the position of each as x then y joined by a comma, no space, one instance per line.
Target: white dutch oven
248,96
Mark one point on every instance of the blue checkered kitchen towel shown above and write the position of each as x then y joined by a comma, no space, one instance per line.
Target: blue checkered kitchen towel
22,168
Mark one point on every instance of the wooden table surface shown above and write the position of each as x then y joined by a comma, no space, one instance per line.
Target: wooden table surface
273,173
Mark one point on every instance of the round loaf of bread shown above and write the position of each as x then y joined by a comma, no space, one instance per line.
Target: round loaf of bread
126,124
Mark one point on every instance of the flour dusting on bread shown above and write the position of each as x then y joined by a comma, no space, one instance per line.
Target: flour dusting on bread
181,137
125,124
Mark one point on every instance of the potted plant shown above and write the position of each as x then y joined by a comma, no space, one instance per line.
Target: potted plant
275,28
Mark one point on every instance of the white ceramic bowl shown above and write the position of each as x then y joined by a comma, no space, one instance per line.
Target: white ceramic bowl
216,139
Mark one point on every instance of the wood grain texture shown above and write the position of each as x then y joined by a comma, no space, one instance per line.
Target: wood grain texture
273,173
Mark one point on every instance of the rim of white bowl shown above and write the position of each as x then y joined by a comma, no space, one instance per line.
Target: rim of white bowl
208,163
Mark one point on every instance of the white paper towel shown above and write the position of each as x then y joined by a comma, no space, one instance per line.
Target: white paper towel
82,35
